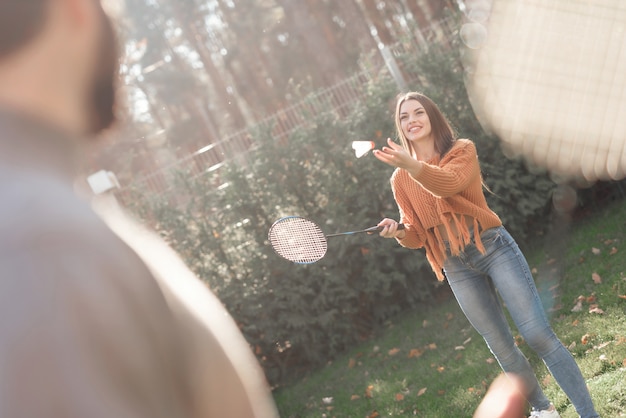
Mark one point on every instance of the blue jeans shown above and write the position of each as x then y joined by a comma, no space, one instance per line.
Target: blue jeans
474,278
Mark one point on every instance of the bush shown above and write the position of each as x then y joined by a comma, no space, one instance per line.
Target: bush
297,317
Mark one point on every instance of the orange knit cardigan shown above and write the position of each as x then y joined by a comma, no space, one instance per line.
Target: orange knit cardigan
443,191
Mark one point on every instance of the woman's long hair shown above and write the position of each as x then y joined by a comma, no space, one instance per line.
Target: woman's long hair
440,127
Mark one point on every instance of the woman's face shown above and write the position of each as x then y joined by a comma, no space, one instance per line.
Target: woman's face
414,121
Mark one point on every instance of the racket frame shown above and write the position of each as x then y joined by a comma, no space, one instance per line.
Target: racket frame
278,247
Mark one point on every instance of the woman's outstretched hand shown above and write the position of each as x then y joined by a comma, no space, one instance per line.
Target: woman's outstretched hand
396,156
390,229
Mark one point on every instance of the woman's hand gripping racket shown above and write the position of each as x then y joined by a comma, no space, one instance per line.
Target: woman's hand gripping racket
302,241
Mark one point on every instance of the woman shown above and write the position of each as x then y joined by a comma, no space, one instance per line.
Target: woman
438,188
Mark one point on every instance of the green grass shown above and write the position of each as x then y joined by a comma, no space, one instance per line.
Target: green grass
450,366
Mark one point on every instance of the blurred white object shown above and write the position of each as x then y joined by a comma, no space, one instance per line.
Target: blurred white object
362,147
102,181
549,78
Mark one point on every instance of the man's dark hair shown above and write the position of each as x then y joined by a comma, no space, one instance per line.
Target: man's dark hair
20,21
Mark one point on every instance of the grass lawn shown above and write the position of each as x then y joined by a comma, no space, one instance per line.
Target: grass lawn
431,363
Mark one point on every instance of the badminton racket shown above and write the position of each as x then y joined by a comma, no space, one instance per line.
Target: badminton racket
302,241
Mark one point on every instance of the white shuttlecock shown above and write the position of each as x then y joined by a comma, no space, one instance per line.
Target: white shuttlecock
362,147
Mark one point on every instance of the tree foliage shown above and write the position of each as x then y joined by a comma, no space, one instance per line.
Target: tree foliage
197,71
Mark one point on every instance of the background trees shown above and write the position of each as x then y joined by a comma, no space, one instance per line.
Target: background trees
240,112
298,317
197,71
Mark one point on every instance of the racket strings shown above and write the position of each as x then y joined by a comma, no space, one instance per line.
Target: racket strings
298,240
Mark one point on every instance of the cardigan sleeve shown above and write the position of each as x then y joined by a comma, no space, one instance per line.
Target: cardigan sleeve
455,172
414,236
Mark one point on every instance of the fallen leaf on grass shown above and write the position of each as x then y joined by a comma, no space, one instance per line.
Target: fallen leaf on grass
328,400
351,363
596,278
415,352
578,306
368,391
621,296
490,360
399,397
556,308
613,251
459,347
441,392
440,369
584,339
423,391
374,414
432,346
583,299
595,251
595,309
354,397
393,351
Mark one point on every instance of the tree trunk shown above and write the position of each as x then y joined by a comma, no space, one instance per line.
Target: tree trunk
247,62
350,12
378,21
319,50
418,14
197,40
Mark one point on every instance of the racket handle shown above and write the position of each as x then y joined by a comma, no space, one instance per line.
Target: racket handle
368,230
380,228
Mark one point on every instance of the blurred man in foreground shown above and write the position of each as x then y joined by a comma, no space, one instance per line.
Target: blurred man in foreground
86,328
504,399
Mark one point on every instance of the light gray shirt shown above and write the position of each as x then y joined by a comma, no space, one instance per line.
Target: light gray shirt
85,328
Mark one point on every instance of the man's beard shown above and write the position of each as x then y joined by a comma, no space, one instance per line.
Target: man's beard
102,95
